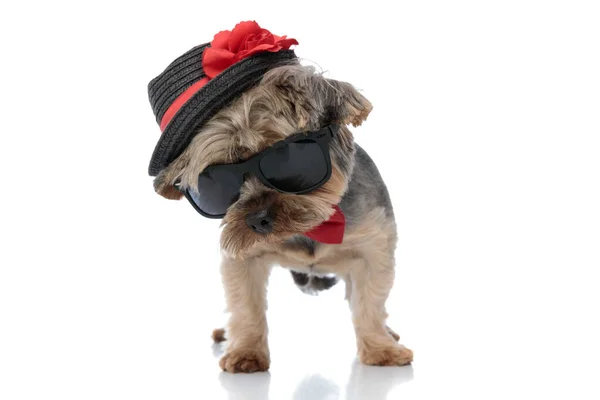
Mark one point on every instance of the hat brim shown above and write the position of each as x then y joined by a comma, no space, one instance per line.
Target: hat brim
204,104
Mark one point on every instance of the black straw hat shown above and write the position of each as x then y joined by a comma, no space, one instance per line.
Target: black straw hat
184,96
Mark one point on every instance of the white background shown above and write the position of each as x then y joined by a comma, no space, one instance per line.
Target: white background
486,129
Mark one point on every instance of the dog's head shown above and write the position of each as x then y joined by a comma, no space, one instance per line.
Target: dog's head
289,99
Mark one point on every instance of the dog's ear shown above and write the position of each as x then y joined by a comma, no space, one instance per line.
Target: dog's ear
318,101
165,188
342,103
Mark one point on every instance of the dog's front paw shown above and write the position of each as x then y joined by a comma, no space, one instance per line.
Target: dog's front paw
245,360
386,356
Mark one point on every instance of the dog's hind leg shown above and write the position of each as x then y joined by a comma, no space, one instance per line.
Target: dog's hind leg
391,332
218,335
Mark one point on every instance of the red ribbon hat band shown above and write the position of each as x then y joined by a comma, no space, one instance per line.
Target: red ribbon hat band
175,95
180,101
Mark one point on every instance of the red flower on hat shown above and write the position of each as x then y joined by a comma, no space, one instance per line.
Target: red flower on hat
245,40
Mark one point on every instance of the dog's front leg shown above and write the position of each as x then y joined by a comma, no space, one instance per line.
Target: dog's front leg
245,284
369,283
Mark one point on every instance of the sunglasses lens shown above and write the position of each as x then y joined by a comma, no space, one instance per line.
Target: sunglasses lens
295,167
218,188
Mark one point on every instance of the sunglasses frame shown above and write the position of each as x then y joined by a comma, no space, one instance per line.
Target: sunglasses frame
252,165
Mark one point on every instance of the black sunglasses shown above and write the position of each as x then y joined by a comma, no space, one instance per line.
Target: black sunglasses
299,164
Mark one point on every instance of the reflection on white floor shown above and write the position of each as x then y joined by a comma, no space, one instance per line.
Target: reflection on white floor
363,382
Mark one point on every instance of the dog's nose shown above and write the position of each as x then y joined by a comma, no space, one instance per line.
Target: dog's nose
260,221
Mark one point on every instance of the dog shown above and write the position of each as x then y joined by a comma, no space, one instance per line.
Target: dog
264,227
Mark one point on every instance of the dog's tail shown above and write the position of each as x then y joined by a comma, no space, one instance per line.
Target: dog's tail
313,284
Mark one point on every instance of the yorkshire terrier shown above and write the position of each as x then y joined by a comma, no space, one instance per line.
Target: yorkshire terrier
276,164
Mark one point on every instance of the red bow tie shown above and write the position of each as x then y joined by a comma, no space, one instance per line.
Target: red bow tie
330,231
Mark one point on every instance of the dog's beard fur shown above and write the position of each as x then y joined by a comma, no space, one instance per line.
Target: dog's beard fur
292,214
289,99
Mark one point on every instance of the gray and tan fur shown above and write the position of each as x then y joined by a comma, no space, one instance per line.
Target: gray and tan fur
289,99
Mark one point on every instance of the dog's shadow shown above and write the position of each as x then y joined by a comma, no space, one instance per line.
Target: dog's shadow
364,382
316,387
